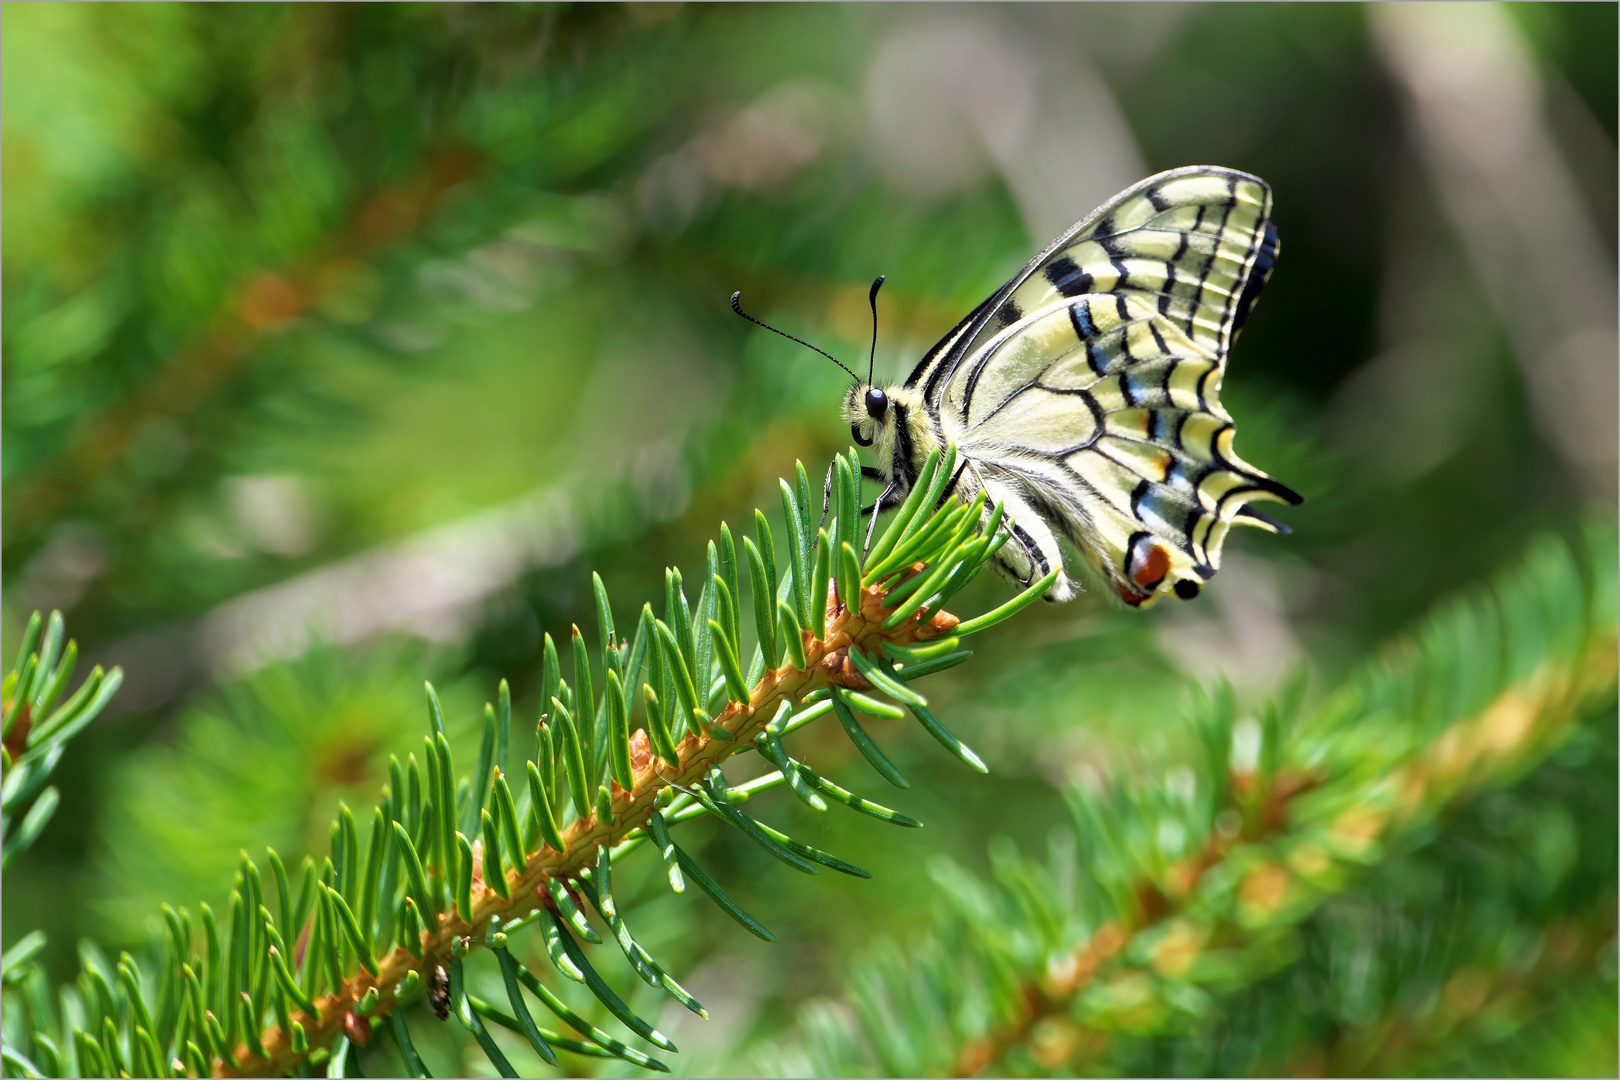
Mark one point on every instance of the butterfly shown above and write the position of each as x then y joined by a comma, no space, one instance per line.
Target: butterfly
1084,394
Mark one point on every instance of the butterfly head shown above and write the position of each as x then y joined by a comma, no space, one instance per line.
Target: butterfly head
894,423
866,407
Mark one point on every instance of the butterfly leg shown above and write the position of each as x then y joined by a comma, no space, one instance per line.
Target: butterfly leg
826,501
886,501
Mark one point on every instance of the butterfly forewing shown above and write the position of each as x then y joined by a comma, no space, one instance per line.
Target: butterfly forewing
1086,392
1197,243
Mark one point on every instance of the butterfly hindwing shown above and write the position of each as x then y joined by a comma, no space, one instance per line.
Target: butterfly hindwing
1086,391
1033,549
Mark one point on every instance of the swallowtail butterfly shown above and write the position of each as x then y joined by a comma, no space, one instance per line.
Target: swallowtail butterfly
1084,395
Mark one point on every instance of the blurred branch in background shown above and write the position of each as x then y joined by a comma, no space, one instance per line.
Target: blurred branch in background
952,91
433,586
1480,118
1396,858
199,372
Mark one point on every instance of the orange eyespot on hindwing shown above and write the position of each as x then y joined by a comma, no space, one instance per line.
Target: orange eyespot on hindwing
1149,562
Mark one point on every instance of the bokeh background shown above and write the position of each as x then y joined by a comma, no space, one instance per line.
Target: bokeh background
342,342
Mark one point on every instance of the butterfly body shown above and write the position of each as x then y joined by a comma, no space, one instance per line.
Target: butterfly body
1084,394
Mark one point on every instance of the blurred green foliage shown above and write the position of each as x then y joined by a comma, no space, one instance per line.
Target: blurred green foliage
1397,881
265,763
287,284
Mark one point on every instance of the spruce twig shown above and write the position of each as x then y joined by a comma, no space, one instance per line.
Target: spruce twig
854,634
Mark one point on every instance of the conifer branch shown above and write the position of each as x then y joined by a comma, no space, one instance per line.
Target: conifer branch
827,665
1469,755
1468,1012
1034,977
453,865
36,730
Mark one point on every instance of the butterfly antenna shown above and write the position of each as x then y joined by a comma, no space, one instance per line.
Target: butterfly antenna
736,305
871,359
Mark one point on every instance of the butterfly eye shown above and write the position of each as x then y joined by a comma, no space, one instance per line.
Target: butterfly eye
876,404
